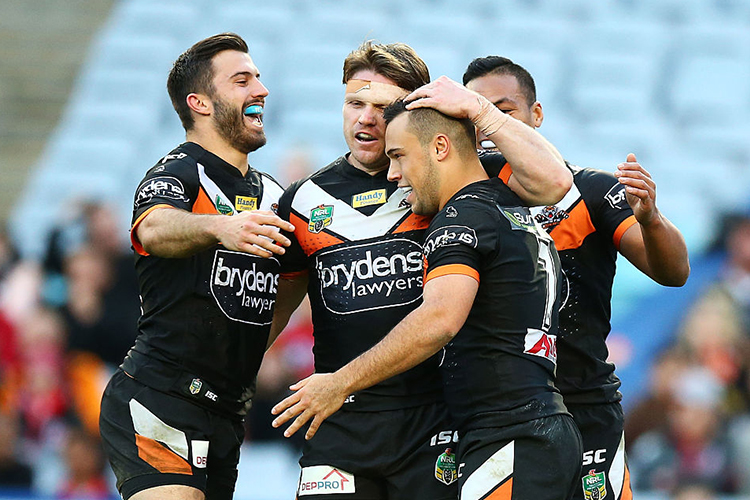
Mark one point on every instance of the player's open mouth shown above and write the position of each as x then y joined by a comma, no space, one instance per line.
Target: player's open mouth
255,113
364,137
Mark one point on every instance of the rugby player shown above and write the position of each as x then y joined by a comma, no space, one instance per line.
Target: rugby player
490,311
600,215
206,243
356,251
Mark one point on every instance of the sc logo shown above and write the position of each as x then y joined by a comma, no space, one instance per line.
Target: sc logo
594,456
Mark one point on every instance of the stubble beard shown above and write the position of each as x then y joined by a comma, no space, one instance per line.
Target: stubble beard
230,124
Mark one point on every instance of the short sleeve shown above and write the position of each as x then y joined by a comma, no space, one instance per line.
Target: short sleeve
171,184
457,240
610,212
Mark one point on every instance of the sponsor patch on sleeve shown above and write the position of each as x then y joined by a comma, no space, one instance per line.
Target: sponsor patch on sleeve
164,187
448,236
616,197
324,480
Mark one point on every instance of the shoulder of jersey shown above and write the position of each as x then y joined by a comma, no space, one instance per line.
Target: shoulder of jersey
294,186
177,162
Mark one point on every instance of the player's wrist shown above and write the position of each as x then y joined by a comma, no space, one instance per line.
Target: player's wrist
489,119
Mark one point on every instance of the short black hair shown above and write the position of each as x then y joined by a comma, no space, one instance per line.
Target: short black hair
497,65
193,72
426,122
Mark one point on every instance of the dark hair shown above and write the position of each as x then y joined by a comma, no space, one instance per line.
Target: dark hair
193,72
496,65
396,61
426,122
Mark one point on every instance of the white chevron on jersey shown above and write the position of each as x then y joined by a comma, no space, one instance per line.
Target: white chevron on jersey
347,221
565,204
271,193
213,190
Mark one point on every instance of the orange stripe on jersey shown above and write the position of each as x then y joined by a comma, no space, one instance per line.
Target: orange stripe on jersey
452,269
505,173
413,223
160,457
504,492
311,242
627,492
203,204
571,232
624,226
134,237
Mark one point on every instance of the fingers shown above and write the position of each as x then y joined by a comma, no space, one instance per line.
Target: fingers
314,427
298,423
282,406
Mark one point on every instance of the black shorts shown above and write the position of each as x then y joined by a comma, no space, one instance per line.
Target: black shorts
404,454
154,439
605,465
537,459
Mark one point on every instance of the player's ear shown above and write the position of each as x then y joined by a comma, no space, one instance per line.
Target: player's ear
199,103
537,115
441,145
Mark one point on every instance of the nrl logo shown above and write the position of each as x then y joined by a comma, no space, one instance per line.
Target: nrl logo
594,485
223,208
320,218
445,467
551,216
195,386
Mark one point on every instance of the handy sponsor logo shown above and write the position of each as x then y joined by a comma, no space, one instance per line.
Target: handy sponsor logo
375,197
370,276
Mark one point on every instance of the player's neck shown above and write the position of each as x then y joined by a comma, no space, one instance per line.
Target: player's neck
460,175
211,141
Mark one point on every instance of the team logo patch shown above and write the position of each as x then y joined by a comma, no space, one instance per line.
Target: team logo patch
520,218
375,197
325,480
370,276
551,216
160,187
244,286
245,203
594,485
616,197
445,467
195,386
222,207
449,236
541,344
451,212
320,218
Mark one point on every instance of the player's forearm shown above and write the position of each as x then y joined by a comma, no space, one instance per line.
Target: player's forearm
417,337
174,233
540,176
666,252
537,165
289,296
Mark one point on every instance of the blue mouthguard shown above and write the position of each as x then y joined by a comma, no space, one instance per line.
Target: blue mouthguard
254,110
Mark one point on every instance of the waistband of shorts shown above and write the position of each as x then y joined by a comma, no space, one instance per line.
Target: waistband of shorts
544,405
186,386
369,401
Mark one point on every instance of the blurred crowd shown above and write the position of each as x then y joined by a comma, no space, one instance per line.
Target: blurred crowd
67,322
691,432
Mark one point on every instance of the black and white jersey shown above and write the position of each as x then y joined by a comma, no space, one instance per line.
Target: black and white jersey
360,245
499,369
205,318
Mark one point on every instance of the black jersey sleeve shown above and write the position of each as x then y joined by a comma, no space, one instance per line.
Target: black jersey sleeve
610,212
494,164
458,239
172,182
294,260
